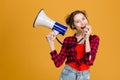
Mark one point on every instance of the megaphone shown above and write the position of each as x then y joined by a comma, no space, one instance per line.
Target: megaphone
42,20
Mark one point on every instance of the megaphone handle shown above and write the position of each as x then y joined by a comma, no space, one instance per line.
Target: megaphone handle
56,32
59,41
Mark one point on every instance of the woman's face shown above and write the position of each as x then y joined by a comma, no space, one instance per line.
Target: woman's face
80,21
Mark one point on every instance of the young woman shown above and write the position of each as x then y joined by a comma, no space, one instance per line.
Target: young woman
78,51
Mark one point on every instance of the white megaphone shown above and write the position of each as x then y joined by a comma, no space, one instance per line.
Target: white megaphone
42,20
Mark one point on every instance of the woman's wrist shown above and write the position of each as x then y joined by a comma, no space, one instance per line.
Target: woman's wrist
88,49
52,47
87,36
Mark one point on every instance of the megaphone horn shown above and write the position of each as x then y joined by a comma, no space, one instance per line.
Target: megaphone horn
42,20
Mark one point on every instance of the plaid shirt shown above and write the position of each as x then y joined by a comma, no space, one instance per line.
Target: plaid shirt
69,53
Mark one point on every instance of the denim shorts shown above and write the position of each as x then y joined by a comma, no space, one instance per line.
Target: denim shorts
68,73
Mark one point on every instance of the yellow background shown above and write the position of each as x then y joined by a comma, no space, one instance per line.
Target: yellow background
24,51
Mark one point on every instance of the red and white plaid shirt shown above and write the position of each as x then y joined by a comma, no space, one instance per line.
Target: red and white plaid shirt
69,53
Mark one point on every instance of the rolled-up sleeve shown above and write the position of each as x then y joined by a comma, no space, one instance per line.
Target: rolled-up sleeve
58,59
94,43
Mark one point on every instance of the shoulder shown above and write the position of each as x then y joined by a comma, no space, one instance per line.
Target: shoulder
69,37
94,37
69,40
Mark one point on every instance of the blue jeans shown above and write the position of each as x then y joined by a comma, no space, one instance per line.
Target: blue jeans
68,73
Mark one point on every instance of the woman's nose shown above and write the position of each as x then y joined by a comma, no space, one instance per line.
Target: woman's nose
82,23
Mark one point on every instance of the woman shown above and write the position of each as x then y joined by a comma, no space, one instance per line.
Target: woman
78,51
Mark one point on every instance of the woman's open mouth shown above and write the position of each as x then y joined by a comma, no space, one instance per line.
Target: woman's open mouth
83,27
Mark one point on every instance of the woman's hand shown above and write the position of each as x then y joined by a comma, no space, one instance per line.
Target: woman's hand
87,31
50,37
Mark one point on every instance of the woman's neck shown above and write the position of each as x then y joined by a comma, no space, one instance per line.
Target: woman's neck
79,34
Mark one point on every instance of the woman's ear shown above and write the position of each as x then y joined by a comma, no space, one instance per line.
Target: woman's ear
73,27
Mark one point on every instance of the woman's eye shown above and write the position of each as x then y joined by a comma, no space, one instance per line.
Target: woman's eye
77,21
83,18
